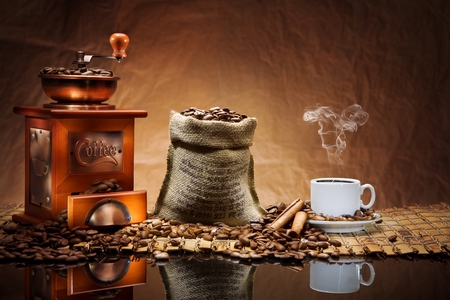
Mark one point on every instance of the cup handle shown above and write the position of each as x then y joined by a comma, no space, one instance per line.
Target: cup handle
372,274
372,197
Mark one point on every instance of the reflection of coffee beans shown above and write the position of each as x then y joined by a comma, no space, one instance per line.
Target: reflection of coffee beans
214,114
76,71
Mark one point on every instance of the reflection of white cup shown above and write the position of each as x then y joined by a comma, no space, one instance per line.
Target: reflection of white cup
338,278
339,196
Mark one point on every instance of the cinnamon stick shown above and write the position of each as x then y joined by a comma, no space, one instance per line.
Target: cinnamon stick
298,223
288,214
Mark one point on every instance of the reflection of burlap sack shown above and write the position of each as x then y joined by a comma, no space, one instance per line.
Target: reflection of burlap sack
210,175
207,279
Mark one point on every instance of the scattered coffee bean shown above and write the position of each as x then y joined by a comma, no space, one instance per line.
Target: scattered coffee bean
392,238
335,243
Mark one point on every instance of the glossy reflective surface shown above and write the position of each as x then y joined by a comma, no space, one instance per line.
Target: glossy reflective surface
223,278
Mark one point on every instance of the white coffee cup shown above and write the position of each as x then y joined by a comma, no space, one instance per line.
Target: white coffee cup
339,196
339,278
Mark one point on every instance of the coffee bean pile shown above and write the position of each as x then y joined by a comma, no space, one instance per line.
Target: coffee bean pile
49,242
104,186
76,71
214,114
359,215
54,242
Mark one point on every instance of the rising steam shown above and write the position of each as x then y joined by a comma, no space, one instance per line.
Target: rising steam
333,126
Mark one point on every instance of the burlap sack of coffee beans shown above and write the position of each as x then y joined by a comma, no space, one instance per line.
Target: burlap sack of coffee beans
189,279
210,176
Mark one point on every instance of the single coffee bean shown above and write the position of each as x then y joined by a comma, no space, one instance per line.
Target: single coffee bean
280,247
145,243
63,251
21,246
295,245
102,187
392,238
323,256
188,235
207,237
49,257
311,245
175,243
222,236
323,245
125,241
81,233
52,229
96,182
312,238
335,243
61,257
30,251
245,241
334,254
8,255
312,254
71,259
319,218
37,235
322,237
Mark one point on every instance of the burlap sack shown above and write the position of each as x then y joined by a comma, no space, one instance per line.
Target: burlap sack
189,279
210,176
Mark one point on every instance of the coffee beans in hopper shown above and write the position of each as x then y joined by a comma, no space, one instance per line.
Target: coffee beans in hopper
76,71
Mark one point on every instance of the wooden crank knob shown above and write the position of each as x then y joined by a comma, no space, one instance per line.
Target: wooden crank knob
119,42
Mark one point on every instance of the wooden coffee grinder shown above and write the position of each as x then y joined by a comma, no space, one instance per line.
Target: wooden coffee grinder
77,140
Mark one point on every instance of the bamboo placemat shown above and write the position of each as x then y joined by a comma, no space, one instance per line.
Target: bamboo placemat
421,230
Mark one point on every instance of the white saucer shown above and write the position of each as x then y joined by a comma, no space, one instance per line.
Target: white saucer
342,226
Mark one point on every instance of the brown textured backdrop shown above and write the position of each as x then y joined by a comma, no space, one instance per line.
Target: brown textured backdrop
268,59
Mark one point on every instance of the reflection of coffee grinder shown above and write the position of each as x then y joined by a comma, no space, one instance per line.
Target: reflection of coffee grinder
106,280
78,139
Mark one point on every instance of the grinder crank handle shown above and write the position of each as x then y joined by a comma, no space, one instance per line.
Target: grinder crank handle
119,42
